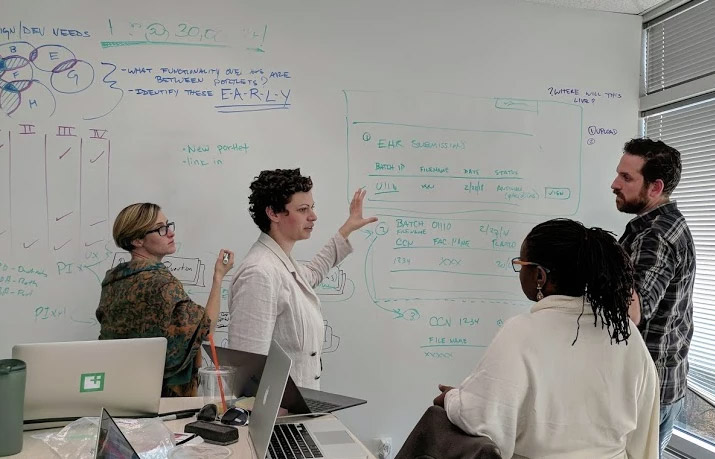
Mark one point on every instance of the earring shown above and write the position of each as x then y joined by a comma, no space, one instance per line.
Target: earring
539,293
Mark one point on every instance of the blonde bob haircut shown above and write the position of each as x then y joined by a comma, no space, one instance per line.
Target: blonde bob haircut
133,222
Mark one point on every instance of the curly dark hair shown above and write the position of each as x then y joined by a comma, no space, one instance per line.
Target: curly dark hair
586,262
661,162
274,189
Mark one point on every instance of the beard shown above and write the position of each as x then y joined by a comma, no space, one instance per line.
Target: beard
634,206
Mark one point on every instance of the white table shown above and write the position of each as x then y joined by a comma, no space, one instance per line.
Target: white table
34,448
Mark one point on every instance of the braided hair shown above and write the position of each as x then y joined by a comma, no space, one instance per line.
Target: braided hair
586,262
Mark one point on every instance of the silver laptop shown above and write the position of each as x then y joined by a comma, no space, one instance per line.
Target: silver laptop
298,400
70,380
312,438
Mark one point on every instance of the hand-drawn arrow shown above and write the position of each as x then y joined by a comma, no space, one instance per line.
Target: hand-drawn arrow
408,314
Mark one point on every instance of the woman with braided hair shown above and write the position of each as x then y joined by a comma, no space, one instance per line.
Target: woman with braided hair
571,378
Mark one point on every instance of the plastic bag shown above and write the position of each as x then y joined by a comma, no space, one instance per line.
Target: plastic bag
149,437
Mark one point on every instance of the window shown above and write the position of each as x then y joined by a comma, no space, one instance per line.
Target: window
691,130
679,46
678,104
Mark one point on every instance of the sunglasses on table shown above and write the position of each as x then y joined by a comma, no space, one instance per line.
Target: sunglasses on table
232,417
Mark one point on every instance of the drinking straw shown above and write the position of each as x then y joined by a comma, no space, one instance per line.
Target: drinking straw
218,376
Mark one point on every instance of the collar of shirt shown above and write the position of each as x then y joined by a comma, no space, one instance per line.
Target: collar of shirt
642,222
287,260
568,304
273,246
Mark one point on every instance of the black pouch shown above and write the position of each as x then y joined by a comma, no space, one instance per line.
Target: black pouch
211,432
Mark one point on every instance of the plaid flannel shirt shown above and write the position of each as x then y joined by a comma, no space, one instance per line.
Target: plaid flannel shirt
662,251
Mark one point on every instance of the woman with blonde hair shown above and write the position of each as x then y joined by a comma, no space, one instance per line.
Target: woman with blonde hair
141,298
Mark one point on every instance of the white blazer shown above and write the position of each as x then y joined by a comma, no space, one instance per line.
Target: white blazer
272,297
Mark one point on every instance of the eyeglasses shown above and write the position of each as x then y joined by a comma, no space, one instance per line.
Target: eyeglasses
233,416
517,263
163,230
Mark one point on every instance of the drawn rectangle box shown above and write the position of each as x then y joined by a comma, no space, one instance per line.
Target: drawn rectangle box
452,154
189,271
435,258
28,190
333,283
5,206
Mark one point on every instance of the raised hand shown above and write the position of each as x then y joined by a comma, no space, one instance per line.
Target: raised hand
355,219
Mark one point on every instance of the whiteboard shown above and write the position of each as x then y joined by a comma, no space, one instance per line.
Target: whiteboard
466,121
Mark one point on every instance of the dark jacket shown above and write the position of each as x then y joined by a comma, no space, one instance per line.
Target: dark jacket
435,437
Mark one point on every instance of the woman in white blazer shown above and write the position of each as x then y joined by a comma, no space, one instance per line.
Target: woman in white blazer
272,295
572,378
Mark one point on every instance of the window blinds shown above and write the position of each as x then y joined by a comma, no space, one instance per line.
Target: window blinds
691,130
680,47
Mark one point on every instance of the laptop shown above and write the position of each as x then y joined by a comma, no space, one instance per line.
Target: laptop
326,438
298,400
69,380
111,442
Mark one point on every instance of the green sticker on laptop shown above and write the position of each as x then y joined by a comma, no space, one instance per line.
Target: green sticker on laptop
91,382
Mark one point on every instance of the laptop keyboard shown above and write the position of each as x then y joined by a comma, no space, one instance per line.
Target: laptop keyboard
317,406
292,441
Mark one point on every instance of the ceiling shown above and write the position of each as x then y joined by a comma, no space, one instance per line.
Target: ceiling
615,6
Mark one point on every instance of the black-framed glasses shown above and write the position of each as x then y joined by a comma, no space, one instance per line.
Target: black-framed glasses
233,416
163,230
517,263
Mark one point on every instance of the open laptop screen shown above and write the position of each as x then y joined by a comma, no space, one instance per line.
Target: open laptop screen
249,368
111,442
268,398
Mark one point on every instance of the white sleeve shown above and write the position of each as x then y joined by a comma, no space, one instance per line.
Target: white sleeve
489,402
643,442
253,308
330,255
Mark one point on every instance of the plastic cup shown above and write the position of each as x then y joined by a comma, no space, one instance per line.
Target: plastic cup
210,390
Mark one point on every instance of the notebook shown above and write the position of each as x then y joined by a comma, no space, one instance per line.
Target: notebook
69,380
313,438
249,367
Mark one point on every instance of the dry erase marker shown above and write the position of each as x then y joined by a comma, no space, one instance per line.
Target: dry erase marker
225,258
178,415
